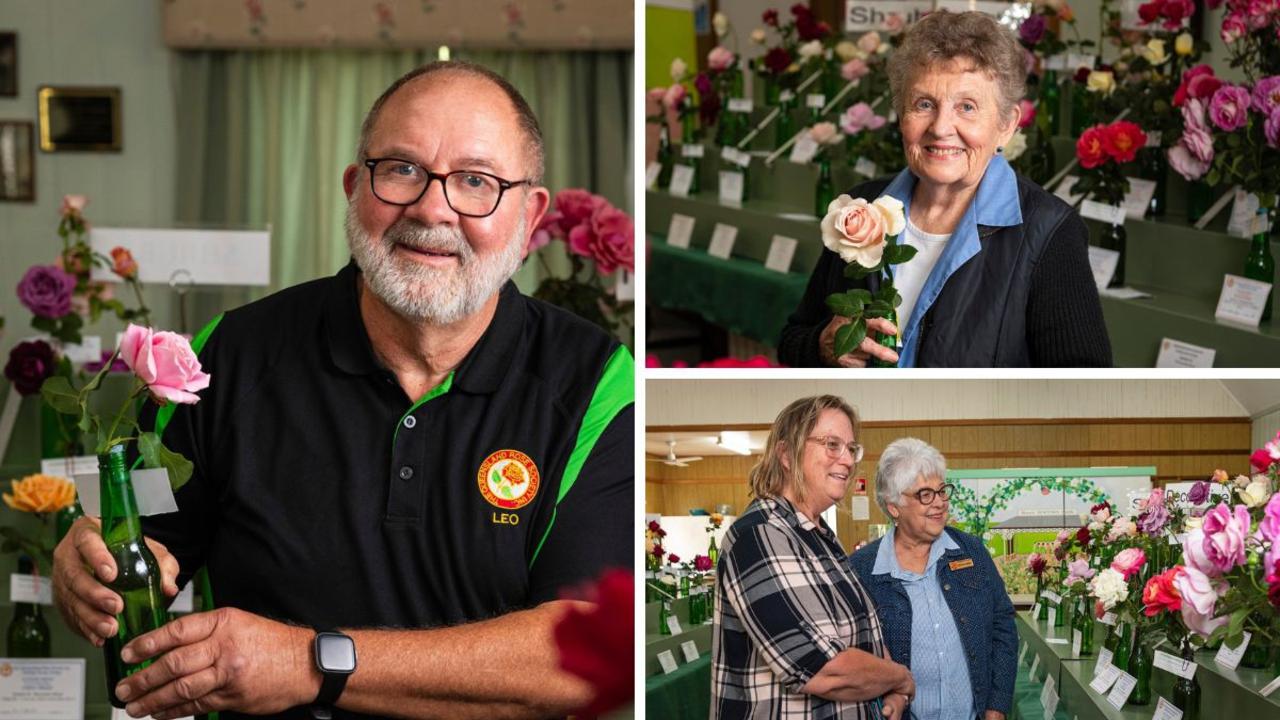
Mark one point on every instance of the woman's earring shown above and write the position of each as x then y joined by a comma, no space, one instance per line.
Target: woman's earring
999,149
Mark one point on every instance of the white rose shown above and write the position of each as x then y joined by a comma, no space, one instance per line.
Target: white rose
720,22
811,49
757,36
1109,588
678,68
1256,494
895,221
1016,146
1122,527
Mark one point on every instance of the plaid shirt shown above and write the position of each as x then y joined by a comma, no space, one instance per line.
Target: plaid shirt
786,604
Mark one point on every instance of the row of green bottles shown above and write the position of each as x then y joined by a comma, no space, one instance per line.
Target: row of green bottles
664,157
28,634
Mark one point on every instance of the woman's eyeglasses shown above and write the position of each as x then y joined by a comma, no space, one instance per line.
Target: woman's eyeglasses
834,446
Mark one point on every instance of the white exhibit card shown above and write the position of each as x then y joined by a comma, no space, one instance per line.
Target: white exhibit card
1270,687
1138,199
1035,611
184,601
1022,653
1053,617
1056,62
860,507
1103,263
1077,640
651,173
1120,692
1052,597
1051,706
1104,661
690,650
1242,300
722,239
866,168
667,661
89,349
674,625
803,150
1109,214
1056,641
681,180
1124,293
1244,208
1047,690
150,486
786,96
1175,353
120,714
34,589
1108,618
624,285
815,101
1229,657
740,105
692,150
51,689
1105,679
1176,665
735,156
1035,665
1166,710
680,231
781,251
210,257
731,187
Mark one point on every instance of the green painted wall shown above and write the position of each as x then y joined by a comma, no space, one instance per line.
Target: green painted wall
668,35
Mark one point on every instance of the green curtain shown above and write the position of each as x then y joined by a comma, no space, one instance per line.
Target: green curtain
263,138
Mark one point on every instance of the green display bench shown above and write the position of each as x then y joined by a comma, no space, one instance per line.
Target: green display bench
1047,643
656,643
683,695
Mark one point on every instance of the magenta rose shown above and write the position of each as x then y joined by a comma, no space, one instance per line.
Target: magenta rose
165,362
720,59
1128,562
30,364
46,290
1032,29
608,239
1266,95
702,563
1272,128
1233,28
1225,534
1269,528
1229,108
576,206
1028,113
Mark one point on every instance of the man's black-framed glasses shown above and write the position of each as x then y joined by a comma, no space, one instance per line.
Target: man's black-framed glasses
926,496
469,192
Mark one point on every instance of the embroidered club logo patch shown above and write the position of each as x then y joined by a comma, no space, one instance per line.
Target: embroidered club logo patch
508,479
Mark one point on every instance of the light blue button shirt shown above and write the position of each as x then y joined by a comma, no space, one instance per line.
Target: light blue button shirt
943,690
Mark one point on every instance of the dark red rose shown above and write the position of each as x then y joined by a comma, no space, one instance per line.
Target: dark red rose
770,17
30,364
1083,537
1149,12
777,60
596,644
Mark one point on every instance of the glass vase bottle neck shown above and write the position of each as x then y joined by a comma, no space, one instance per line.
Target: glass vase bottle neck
120,520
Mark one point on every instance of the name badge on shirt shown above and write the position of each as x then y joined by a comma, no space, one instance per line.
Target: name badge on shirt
960,564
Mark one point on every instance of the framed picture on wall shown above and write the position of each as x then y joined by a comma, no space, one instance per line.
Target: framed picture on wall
17,161
86,119
8,64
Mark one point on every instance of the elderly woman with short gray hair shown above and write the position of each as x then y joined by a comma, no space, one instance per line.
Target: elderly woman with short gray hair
941,602
1001,275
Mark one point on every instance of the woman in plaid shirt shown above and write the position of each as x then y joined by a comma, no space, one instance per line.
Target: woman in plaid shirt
795,633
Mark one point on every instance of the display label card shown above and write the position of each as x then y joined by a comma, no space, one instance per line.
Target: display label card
1175,353
88,350
866,168
667,661
46,689
1108,618
692,150
1166,710
860,507
1022,653
1103,263
1064,190
722,239
1035,611
1052,597
690,650
1270,687
1230,657
681,180
1050,686
803,150
184,601
1138,199
674,625
1242,300
1051,706
1035,665
624,285
651,173
1105,679
786,96
1056,62
1120,692
1077,639
1056,641
680,231
1176,665
1244,208
1079,60
120,714
1104,661
150,487
1124,293
34,589
781,251
740,105
735,156
815,101
1053,616
1110,214
731,187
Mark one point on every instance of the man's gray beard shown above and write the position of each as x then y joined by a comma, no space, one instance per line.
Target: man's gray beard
428,294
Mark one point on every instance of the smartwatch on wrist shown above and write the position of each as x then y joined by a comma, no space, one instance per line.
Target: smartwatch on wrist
335,655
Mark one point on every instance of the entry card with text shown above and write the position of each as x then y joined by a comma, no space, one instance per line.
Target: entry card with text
46,689
1103,263
731,187
781,251
722,239
1242,300
680,231
34,589
681,180
1175,353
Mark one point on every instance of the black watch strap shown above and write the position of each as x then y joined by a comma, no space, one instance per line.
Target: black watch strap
332,683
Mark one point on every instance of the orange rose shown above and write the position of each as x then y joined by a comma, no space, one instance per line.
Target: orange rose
41,494
123,264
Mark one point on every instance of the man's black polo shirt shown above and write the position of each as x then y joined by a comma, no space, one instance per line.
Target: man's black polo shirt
324,496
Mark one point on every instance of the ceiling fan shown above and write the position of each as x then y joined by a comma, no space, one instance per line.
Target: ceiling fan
674,461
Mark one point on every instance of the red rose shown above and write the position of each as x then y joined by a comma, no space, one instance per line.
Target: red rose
1180,95
658,551
800,10
1122,140
702,563
1090,148
1203,86
673,558
596,644
770,17
1083,537
1161,594
1261,459
1149,12
777,60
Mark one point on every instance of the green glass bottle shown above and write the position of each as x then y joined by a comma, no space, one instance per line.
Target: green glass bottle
1043,614
825,191
1084,625
1199,198
1120,650
1259,263
137,572
786,120
740,120
663,613
684,586
1051,100
1186,693
1115,237
1080,117
28,635
1141,661
664,157
1155,166
67,516
713,552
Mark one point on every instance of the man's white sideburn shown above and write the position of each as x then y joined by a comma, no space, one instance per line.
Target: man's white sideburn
428,294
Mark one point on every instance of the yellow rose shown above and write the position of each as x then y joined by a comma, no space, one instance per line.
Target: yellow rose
1101,81
1154,52
847,50
41,494
1184,45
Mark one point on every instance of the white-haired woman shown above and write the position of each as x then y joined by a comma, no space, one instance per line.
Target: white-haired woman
942,604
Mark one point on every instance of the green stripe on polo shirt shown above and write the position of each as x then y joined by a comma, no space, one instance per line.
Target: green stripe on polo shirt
615,390
433,393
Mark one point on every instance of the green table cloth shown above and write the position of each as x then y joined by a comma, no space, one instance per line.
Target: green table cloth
683,695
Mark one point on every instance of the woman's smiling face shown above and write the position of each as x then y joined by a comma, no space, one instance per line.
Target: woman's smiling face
952,124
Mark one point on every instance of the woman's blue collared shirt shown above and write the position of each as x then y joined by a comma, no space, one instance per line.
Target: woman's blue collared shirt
943,689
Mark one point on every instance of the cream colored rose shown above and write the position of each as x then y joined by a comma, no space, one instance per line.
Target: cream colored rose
720,23
1109,587
1154,51
870,42
757,36
1241,481
1015,147
894,219
1184,45
811,49
1255,494
824,133
846,50
678,68
1101,81
854,229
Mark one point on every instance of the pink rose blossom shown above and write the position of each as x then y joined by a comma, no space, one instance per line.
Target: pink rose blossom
73,205
1199,142
1193,113
1185,163
1229,108
674,96
1194,556
1233,28
1266,95
1269,528
1028,113
576,205
1078,570
1272,128
1200,595
719,59
608,239
1225,534
1259,12
1129,561
854,69
657,94
860,117
869,43
165,362
854,230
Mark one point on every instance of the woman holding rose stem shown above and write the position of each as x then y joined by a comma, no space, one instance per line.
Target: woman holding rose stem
1000,275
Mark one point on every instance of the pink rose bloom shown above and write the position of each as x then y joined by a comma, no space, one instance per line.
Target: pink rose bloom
657,94
719,59
1128,562
823,133
1266,95
1259,12
1200,594
608,239
869,43
854,69
894,23
1272,129
1193,113
702,563
1028,113
1185,163
73,205
1079,570
165,362
1233,28
674,95
1199,142
1229,108
1225,534
860,117
1194,556
1269,528
576,206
